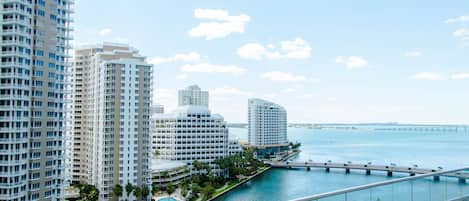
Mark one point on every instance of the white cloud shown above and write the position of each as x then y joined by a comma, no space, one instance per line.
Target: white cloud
414,53
282,76
352,62
211,68
430,76
462,33
104,32
188,57
460,76
181,76
221,24
461,19
289,49
228,91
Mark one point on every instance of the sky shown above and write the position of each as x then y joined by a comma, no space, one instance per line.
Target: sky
324,61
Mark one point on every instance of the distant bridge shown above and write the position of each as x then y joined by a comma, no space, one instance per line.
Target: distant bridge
390,169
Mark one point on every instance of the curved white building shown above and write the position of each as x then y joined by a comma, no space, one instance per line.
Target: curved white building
190,133
267,123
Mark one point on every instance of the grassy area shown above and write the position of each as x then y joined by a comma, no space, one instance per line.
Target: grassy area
233,185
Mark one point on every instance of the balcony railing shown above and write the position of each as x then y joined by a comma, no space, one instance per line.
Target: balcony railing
435,186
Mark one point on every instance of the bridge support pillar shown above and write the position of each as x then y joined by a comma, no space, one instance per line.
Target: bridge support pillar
368,172
412,174
389,174
347,171
308,168
328,169
436,178
462,180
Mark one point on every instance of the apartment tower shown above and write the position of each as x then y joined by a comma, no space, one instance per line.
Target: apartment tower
193,95
34,46
111,118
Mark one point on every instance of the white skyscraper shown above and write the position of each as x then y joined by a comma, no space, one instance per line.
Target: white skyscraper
267,123
191,133
111,121
34,55
193,95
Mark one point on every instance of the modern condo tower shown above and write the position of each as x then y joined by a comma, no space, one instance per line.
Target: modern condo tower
267,123
111,118
193,95
34,46
191,133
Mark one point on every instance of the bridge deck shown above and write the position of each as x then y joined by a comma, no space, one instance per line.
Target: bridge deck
368,167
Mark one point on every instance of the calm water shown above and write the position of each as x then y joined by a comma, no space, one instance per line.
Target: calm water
426,149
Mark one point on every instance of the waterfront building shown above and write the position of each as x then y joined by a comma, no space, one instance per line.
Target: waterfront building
164,172
193,95
34,55
191,133
111,118
234,147
267,127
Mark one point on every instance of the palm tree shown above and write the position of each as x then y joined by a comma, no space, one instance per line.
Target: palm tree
117,190
156,153
138,192
129,188
155,189
145,192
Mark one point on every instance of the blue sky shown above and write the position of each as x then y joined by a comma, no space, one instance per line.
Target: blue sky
325,61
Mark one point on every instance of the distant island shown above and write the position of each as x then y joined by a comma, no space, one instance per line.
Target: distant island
390,126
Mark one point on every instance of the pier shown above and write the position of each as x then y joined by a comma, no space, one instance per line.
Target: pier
368,168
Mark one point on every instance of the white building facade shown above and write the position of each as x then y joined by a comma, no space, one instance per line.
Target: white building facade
112,117
34,53
234,147
267,123
191,133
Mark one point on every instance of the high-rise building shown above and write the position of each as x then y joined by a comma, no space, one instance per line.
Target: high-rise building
156,109
191,133
111,117
193,95
34,46
267,123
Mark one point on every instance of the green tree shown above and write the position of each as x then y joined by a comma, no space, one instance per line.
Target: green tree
138,192
129,188
170,188
155,189
117,190
145,192
156,154
207,191
88,193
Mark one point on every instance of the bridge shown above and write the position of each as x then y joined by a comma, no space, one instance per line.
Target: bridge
389,169
353,193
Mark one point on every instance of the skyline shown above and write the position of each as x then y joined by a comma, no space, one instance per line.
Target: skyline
372,63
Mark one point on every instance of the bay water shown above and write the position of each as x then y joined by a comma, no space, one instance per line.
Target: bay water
426,148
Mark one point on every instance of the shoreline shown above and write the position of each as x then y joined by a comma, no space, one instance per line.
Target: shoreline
250,178
239,184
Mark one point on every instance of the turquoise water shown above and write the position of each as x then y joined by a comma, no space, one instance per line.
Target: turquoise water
426,149
167,199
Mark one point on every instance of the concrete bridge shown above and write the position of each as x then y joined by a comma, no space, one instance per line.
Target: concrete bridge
390,169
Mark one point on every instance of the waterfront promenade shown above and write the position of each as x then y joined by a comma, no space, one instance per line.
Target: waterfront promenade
390,169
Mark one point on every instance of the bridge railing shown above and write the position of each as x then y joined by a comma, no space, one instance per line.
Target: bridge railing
425,187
